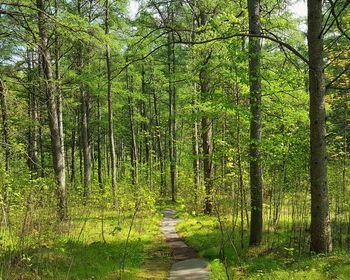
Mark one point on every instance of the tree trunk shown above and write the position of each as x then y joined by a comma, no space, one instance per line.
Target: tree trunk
58,92
84,98
146,126
159,143
172,111
195,151
33,114
321,241
41,146
6,147
149,138
54,121
110,108
73,143
99,140
133,146
256,185
195,129
207,127
240,180
86,145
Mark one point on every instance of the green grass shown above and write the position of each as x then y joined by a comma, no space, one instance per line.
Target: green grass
281,262
76,250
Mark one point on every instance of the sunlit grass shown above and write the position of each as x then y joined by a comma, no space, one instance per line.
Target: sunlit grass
269,261
82,249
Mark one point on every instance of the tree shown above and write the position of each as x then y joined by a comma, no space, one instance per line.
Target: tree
171,59
110,107
84,100
58,157
256,185
321,241
206,122
6,147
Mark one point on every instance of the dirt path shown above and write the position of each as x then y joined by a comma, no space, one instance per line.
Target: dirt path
187,265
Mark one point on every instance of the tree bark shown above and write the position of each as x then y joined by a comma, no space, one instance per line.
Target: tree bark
54,122
6,147
99,141
172,110
321,241
146,127
195,128
206,126
73,143
133,146
33,115
195,150
85,141
256,184
58,92
41,145
84,99
110,108
159,143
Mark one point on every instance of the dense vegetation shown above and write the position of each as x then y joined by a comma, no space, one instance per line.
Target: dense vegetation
228,111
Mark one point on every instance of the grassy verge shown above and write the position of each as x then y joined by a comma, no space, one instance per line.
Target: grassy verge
83,249
204,234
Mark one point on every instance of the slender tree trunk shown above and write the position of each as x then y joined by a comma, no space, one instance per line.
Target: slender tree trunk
159,144
195,129
33,114
122,158
207,127
224,156
239,165
110,108
85,142
6,147
99,140
106,157
41,146
133,146
58,92
195,151
321,241
256,184
54,121
84,98
172,108
41,120
344,177
149,139
73,143
146,126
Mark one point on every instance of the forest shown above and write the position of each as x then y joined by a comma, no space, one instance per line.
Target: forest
174,139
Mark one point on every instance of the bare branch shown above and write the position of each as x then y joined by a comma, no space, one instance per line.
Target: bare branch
328,86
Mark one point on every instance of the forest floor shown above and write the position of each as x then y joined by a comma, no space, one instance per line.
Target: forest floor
274,260
95,245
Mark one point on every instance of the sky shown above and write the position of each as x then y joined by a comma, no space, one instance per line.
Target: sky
133,7
299,8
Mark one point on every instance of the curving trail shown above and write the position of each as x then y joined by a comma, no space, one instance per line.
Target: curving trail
187,265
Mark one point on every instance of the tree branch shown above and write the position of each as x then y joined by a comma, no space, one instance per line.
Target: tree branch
337,77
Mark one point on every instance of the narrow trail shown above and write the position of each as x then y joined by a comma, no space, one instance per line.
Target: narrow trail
187,265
